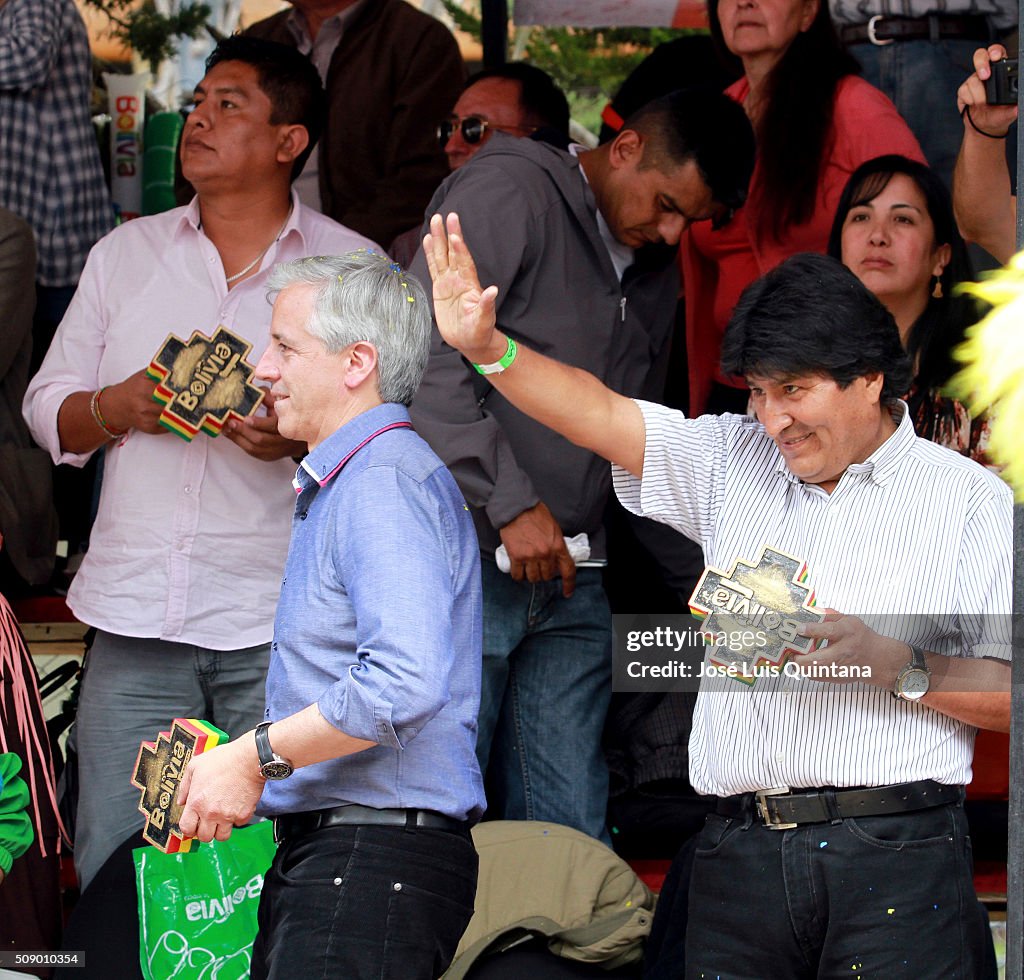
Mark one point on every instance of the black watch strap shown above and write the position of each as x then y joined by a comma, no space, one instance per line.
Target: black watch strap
913,681
263,749
272,766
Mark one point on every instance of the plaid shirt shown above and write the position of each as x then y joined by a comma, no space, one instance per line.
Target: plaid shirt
50,170
1003,13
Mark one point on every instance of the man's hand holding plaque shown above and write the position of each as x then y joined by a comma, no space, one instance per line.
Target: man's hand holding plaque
847,649
130,405
158,772
258,436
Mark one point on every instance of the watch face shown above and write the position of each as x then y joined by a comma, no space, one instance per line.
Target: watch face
278,769
914,684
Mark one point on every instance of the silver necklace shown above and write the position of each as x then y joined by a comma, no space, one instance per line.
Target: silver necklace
259,258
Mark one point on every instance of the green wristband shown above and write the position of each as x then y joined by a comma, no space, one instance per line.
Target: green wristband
496,367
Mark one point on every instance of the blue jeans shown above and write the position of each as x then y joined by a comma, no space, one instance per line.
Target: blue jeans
365,903
547,668
132,689
921,78
885,896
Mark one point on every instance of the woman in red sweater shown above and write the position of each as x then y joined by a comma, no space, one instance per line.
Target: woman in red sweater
815,123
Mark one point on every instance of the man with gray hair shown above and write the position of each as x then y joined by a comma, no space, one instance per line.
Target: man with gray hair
366,760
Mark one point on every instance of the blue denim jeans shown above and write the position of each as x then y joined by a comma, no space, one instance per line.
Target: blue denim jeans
547,669
365,903
885,896
921,78
132,689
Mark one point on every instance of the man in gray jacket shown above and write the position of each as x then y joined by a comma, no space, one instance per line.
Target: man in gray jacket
582,248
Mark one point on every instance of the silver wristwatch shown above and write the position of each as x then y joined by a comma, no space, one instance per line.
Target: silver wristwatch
913,681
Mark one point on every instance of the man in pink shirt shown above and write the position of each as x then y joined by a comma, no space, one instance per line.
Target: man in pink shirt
184,564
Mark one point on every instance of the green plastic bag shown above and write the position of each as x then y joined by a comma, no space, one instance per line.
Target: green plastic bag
197,910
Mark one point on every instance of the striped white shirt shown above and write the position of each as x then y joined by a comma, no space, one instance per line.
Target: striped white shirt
916,540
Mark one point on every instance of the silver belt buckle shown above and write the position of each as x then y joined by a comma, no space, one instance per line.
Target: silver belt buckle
872,36
767,819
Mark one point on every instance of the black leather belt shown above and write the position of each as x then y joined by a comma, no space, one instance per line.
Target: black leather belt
296,824
885,30
783,809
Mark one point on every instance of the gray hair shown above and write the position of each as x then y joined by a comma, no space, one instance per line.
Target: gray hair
364,296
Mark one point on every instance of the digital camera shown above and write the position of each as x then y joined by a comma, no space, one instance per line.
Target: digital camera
1001,85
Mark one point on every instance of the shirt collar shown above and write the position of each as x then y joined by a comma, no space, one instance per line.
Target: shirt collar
299,30
882,464
325,462
190,219
622,256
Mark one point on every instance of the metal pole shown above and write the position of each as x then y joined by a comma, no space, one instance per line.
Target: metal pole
1015,817
494,31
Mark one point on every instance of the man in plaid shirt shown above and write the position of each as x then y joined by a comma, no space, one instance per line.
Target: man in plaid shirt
50,172
51,176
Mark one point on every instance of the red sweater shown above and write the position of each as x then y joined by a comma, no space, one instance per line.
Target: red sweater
719,265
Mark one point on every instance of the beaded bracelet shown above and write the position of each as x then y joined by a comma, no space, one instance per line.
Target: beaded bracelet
94,407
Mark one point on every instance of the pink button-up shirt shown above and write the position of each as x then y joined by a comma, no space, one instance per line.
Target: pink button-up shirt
190,539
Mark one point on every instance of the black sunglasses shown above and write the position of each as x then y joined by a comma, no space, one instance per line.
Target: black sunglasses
473,129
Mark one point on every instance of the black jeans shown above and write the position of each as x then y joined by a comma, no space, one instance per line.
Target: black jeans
365,902
888,896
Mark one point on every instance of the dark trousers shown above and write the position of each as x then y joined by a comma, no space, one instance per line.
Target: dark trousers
75,489
888,896
365,902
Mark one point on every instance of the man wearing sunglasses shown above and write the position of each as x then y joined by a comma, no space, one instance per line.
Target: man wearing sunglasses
581,245
514,98
517,98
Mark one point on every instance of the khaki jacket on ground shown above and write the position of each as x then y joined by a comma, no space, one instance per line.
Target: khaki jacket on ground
543,879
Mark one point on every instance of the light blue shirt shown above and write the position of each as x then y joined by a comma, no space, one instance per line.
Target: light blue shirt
379,624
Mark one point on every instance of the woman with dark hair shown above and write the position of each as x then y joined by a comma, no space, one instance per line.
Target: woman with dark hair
894,229
815,123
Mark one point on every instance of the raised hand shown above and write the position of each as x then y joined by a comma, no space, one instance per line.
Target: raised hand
464,312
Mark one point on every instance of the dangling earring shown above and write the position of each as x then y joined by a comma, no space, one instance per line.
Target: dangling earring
937,289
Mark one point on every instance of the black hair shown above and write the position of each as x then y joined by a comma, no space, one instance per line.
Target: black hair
700,124
795,128
543,102
941,327
687,60
811,315
287,77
